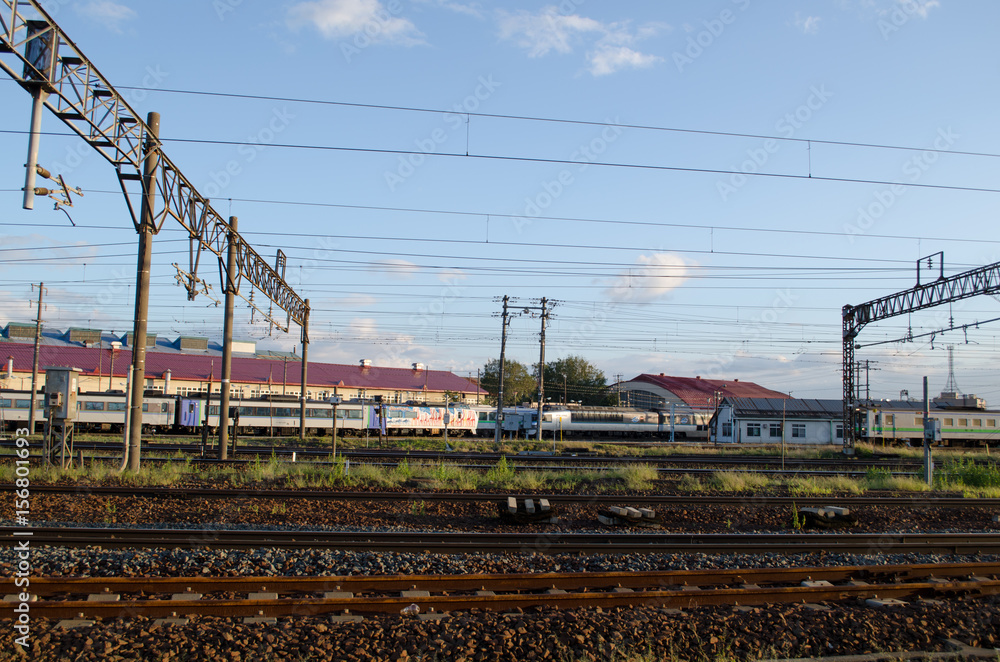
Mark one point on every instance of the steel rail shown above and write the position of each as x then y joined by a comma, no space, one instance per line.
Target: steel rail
918,501
682,598
575,581
767,460
544,543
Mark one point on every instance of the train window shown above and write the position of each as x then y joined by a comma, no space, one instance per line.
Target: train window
774,429
977,422
798,430
145,406
991,422
353,414
116,406
753,429
22,404
283,411
213,410
90,405
963,422
888,419
5,403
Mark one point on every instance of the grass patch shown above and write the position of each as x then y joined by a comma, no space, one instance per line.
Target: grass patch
808,486
636,476
740,481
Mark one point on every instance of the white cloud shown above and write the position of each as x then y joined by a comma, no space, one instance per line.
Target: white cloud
473,9
545,31
451,275
609,59
610,45
110,13
807,24
653,276
337,19
398,269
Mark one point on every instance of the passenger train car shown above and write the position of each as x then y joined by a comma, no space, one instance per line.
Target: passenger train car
163,413
595,422
903,422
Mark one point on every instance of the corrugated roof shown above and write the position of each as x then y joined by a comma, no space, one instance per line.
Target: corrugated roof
697,392
197,367
787,407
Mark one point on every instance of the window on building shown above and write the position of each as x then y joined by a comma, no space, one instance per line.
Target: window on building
840,431
727,429
774,430
753,429
798,430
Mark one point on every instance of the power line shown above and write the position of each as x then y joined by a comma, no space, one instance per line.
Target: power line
550,161
529,118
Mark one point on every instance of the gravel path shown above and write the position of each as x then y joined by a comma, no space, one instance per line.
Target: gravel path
466,516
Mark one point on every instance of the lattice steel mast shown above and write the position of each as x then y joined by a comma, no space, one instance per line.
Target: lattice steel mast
984,280
59,76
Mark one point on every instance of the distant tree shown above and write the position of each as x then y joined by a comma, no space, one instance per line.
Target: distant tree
518,383
576,379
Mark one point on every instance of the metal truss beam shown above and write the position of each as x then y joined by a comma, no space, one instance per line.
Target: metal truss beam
983,280
90,106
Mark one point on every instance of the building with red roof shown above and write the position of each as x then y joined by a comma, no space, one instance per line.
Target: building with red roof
193,365
658,391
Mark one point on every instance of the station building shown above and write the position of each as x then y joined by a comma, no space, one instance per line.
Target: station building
191,365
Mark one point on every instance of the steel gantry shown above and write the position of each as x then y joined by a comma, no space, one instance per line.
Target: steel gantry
983,280
37,54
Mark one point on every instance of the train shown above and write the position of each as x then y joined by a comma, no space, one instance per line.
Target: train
559,421
276,416
902,422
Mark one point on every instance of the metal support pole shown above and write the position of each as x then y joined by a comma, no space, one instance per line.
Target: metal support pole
541,371
303,381
38,96
497,432
34,363
227,340
145,230
928,431
672,419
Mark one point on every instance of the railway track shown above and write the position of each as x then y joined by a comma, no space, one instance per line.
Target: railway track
918,501
544,543
537,457
63,597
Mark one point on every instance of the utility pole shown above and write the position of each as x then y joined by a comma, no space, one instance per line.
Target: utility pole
541,369
146,228
302,381
497,432
34,363
227,340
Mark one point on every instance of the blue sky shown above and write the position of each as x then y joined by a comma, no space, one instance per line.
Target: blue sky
419,159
